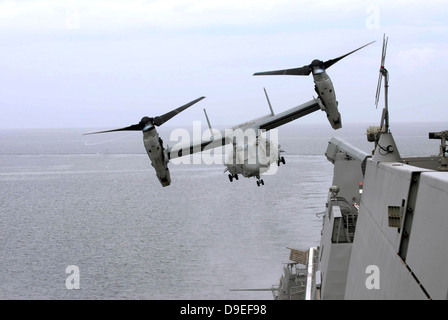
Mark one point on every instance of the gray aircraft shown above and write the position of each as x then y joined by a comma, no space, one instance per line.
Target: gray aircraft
323,85
153,143
252,153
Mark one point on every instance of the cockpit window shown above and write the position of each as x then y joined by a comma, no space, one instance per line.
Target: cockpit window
318,70
148,127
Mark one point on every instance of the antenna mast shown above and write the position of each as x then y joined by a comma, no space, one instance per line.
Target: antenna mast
383,73
385,147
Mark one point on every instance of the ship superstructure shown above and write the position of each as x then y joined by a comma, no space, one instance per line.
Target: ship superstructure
385,227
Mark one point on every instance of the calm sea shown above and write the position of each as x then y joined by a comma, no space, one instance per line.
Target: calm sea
94,202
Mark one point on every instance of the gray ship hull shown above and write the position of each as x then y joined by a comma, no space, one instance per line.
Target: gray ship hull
384,232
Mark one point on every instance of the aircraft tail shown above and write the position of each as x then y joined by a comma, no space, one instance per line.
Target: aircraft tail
269,102
208,122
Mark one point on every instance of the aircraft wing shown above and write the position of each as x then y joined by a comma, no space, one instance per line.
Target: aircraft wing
289,115
264,123
178,151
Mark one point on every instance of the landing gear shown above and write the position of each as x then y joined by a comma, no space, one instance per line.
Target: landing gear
260,181
231,176
282,160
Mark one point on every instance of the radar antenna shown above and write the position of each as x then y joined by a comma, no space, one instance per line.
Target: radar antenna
383,73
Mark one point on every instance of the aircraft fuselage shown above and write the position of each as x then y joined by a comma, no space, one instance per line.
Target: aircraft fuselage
252,159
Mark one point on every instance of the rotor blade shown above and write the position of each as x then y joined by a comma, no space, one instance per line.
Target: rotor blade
329,63
158,121
134,127
303,71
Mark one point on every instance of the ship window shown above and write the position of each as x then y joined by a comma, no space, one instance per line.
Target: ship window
338,235
395,215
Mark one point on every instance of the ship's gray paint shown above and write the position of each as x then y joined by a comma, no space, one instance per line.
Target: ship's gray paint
348,167
384,232
336,242
333,258
405,257
411,257
428,244
386,149
372,248
375,243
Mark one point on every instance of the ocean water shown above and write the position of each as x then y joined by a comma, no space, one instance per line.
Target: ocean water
94,202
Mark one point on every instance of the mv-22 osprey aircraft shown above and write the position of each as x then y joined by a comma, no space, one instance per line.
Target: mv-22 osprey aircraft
252,153
254,164
248,164
245,163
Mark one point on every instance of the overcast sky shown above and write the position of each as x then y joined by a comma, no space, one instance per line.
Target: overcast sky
105,64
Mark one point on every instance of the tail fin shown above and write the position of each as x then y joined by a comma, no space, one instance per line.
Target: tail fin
208,121
269,102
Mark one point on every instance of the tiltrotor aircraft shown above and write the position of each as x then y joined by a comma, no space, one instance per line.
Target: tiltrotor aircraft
323,85
251,154
153,143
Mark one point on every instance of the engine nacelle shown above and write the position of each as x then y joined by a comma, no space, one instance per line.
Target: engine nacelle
157,154
333,115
